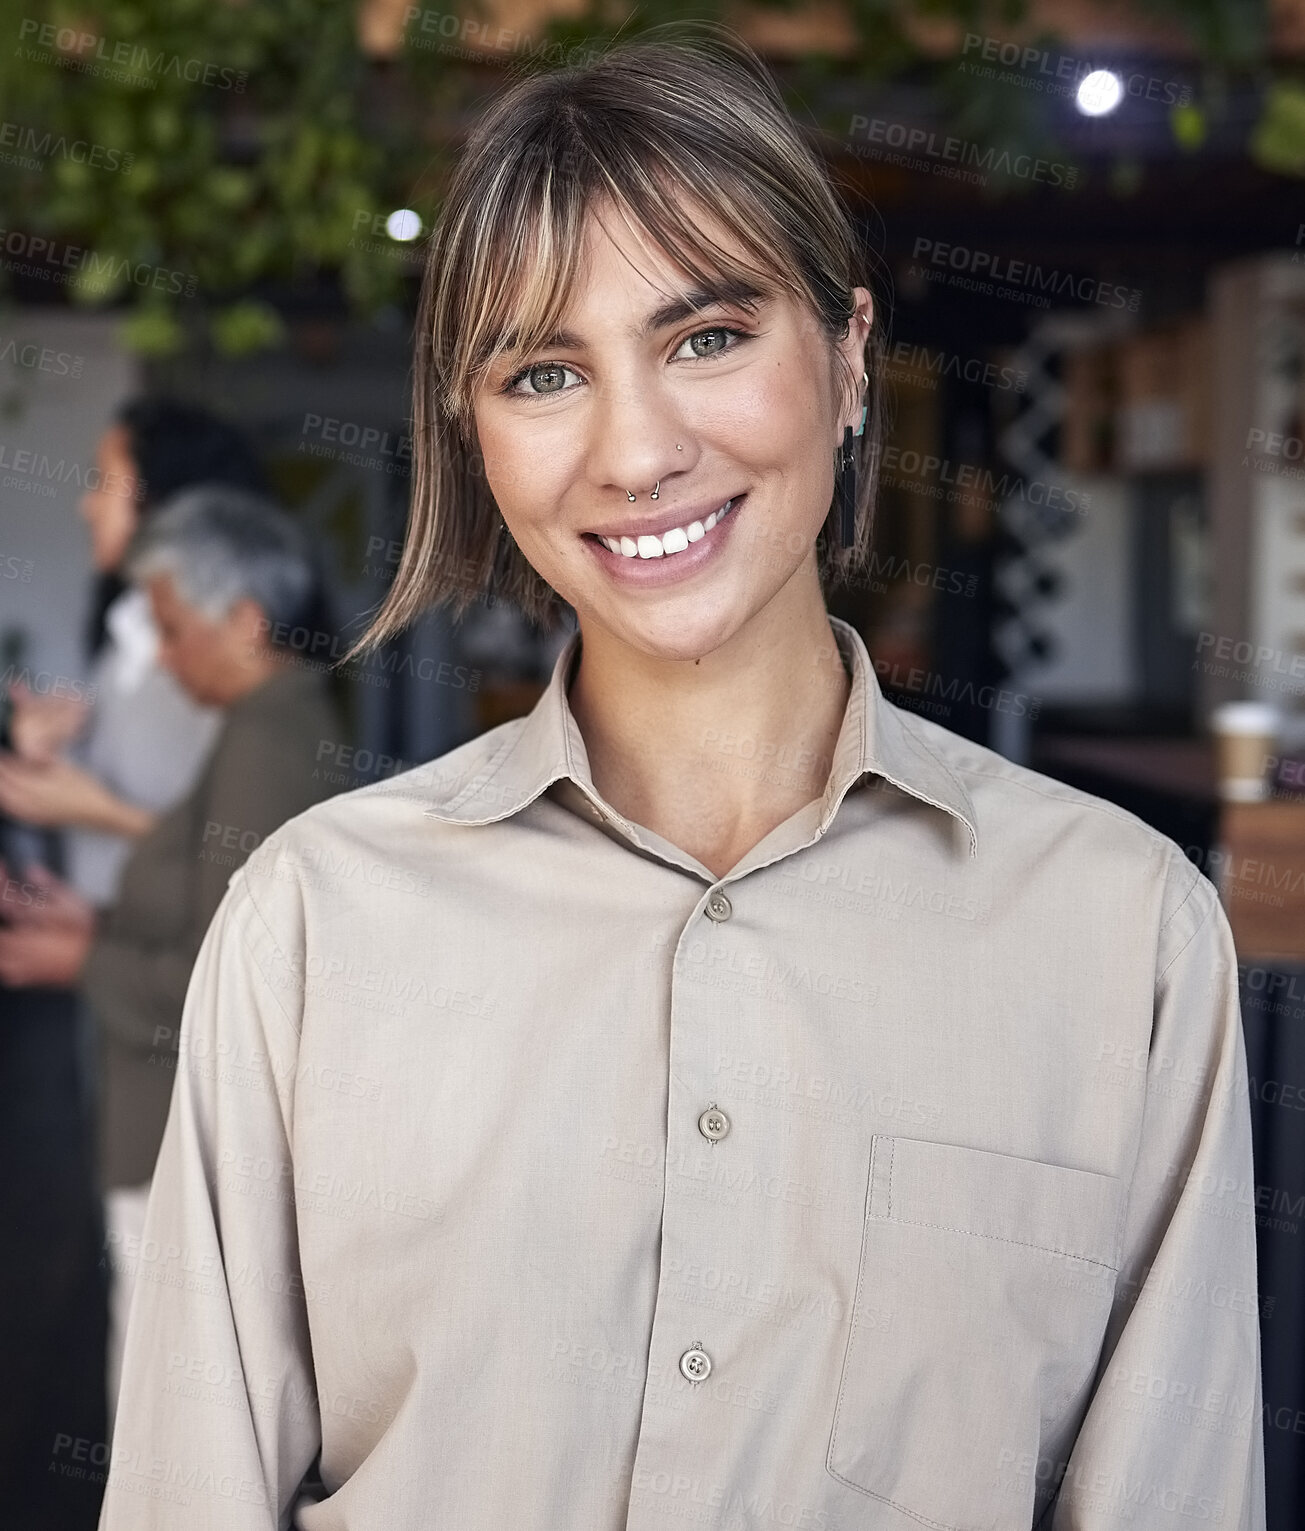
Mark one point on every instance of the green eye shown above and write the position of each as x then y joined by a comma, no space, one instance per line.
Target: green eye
538,369
719,329
533,371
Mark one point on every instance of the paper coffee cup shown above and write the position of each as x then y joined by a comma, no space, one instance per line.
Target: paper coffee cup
1246,735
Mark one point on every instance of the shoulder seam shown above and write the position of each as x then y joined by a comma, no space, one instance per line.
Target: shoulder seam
244,941
1200,925
1191,888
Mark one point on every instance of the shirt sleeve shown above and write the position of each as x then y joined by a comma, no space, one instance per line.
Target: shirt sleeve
217,1421
1173,1433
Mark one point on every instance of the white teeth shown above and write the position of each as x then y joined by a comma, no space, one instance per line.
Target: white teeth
673,541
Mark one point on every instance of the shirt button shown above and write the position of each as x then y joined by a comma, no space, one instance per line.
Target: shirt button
695,1364
713,1123
719,907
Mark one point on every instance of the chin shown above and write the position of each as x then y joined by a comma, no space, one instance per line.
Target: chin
677,634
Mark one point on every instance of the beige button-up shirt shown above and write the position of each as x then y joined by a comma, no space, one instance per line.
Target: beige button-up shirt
521,1175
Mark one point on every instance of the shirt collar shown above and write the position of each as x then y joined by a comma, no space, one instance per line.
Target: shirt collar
525,757
130,622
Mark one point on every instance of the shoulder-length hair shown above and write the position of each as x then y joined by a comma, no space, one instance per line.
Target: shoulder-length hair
647,125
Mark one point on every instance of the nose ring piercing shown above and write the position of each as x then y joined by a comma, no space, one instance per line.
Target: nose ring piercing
654,494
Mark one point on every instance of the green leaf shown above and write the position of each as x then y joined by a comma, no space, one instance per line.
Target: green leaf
1189,126
246,327
152,331
1278,142
100,277
229,187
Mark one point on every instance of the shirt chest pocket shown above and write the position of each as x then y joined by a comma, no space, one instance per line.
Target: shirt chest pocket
984,1287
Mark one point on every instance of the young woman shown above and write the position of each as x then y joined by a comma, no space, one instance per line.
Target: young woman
719,1096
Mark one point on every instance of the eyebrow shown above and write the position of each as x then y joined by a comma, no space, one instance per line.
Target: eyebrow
736,293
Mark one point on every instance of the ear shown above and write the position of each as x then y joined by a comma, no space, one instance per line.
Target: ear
249,623
853,347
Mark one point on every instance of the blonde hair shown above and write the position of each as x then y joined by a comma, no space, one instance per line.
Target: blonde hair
687,107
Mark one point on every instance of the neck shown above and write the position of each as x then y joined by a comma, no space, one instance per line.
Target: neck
682,746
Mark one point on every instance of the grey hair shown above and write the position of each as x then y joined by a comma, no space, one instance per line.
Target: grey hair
222,544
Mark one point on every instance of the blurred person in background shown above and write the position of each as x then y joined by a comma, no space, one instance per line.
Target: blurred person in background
104,769
225,572
90,771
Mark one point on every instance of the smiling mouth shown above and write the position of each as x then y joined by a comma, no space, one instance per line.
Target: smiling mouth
673,540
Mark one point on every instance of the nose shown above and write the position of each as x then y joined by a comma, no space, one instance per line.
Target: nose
638,438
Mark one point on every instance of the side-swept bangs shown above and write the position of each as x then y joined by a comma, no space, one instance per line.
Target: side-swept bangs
672,135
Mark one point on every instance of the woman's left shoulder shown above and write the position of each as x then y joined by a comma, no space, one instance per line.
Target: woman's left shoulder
1028,820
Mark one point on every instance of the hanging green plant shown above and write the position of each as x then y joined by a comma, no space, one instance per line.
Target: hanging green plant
183,154
224,146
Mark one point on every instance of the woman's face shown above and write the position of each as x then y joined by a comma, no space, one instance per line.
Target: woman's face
756,416
109,509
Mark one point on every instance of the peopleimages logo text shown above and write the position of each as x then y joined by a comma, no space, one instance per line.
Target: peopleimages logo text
1059,73
1022,273
949,150
93,53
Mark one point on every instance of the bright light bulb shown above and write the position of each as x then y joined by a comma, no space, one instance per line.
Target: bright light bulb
403,224
1099,92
